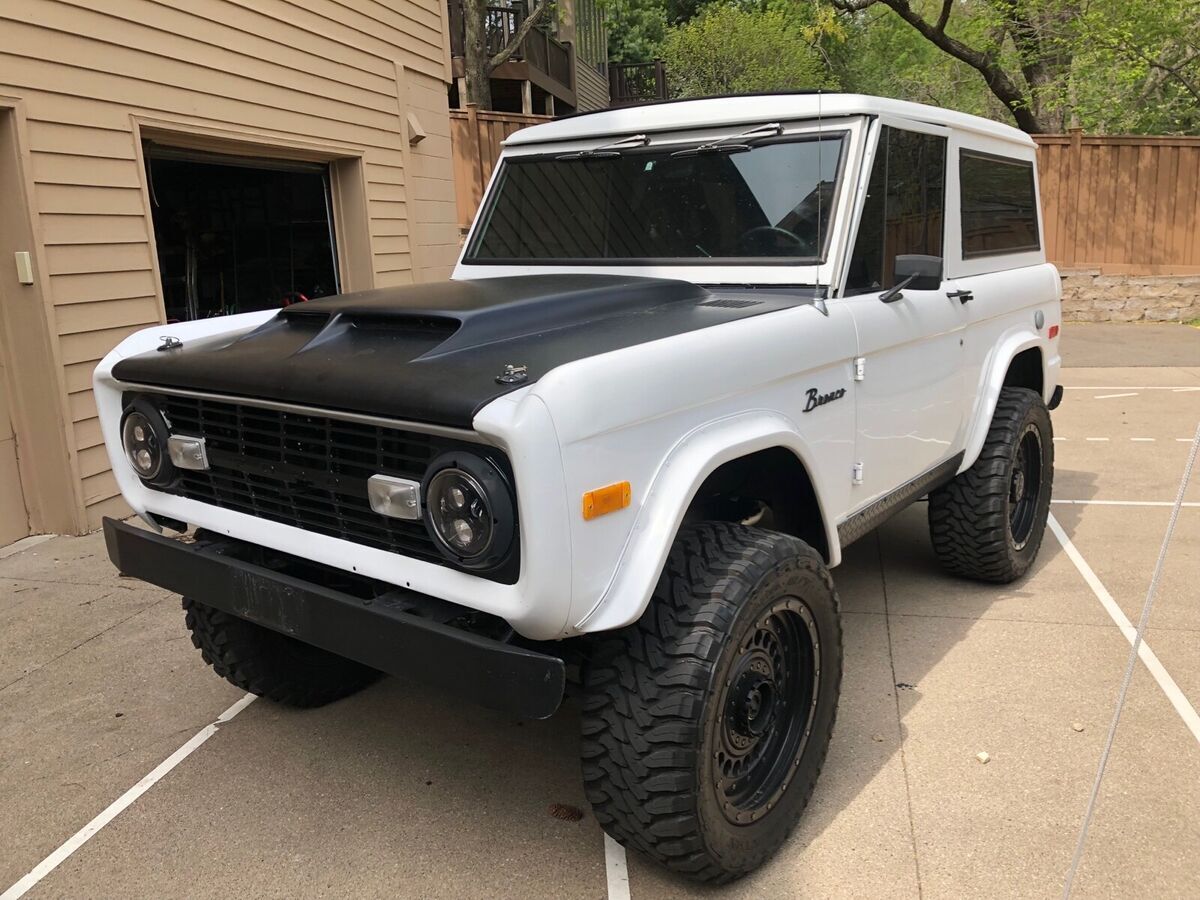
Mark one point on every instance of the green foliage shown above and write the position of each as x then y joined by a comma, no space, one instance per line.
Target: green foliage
883,55
1137,68
635,29
1109,66
728,49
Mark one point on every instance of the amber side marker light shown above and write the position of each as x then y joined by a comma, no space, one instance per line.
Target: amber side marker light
606,499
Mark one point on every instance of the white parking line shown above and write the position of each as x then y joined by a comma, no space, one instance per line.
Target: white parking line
118,806
1185,709
1113,396
1126,387
616,868
1123,503
1136,440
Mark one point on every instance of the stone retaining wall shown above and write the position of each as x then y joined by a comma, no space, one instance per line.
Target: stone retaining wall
1088,296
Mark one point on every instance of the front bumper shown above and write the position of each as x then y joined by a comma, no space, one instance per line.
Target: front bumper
378,631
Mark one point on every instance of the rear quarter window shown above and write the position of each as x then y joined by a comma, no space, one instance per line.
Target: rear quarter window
999,205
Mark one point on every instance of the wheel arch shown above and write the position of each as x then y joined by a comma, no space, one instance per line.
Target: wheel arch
1018,360
723,445
772,484
1027,369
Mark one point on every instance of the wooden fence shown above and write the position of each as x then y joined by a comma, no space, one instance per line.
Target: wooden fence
1120,204
475,136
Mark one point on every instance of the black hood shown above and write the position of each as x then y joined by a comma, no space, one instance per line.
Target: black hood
432,352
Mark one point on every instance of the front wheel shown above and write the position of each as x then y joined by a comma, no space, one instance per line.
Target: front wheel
706,722
270,664
988,522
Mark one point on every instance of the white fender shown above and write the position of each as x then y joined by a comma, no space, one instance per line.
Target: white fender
992,380
696,456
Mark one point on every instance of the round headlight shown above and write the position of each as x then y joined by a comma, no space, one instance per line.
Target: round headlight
142,445
469,510
144,434
461,513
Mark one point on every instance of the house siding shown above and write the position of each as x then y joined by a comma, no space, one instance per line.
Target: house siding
590,87
330,73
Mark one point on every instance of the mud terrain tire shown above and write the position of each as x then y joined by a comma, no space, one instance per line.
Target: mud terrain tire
988,523
271,664
706,722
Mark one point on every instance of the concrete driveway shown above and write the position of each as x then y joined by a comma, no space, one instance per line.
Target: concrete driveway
403,792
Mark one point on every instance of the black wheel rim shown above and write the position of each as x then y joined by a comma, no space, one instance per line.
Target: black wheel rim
767,707
1025,487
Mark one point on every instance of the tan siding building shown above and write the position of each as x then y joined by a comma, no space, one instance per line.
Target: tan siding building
94,93
583,23
591,87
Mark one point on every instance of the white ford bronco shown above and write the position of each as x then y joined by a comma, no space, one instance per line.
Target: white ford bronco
690,352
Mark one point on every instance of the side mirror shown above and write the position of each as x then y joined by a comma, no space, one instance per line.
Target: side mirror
921,273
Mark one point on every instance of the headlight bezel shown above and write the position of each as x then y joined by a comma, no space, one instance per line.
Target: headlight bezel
490,480
163,473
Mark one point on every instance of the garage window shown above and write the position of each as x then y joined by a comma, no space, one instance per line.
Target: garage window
999,205
237,234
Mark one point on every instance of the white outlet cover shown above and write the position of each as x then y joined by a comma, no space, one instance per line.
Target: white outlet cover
24,267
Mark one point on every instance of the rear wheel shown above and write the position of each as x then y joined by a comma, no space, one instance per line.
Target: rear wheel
706,723
988,523
271,664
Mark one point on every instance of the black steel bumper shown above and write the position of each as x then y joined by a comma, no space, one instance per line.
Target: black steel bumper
373,631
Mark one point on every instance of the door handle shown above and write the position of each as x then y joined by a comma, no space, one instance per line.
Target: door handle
961,296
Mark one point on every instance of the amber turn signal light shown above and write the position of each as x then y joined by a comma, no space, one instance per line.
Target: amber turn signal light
606,499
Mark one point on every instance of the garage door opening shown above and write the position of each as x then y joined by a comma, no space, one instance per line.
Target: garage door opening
239,234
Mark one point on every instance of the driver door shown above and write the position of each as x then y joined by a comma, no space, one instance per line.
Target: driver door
910,397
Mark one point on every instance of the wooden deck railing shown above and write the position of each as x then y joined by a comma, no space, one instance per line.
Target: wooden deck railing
541,50
630,83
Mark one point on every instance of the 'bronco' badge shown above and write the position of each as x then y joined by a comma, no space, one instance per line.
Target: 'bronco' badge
815,399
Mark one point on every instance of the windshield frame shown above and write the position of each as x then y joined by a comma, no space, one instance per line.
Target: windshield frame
709,270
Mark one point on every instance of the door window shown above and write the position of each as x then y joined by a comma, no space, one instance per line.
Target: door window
904,208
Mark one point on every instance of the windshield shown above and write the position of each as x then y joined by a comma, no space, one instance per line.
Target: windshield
770,202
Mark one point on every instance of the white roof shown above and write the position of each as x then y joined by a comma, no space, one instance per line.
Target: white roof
747,110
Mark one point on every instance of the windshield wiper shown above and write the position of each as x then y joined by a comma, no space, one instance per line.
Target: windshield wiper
607,151
727,145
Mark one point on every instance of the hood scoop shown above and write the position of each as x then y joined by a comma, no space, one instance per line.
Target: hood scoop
470,314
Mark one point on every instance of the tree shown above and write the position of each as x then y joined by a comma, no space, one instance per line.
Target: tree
478,61
728,49
1138,66
635,29
884,56
1041,33
1109,66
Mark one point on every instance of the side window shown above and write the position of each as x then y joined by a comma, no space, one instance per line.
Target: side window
999,205
904,207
